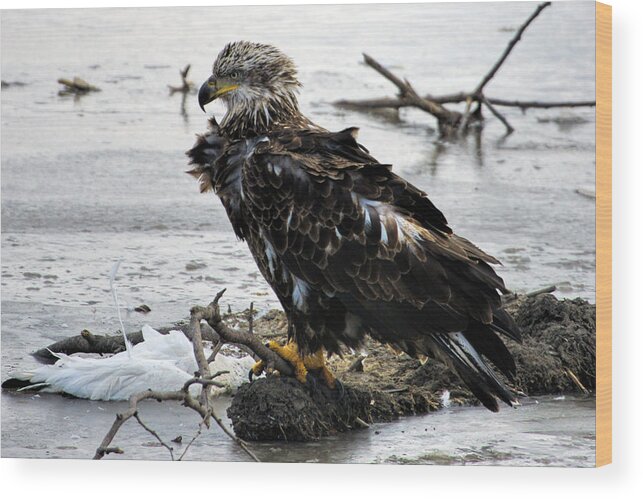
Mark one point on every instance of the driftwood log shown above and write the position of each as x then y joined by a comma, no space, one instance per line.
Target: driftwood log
452,122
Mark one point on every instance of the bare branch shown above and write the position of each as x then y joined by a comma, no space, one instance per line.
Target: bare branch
510,297
516,38
397,103
465,117
202,382
103,451
121,418
576,381
211,314
88,342
196,316
408,94
541,104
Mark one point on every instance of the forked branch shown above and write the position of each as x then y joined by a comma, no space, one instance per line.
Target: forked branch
450,122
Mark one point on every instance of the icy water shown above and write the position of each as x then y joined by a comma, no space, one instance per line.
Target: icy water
88,181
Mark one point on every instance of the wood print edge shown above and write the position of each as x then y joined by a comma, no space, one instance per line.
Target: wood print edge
603,234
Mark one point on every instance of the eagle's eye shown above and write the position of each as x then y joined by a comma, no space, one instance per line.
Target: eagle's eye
234,75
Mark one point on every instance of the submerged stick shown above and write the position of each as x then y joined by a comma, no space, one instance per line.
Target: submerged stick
186,86
497,114
76,86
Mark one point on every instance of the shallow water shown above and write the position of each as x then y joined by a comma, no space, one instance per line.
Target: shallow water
549,431
89,181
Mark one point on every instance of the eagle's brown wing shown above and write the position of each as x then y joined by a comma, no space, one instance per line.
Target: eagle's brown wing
345,223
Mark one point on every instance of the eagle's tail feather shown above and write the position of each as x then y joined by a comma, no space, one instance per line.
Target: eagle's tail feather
492,348
474,371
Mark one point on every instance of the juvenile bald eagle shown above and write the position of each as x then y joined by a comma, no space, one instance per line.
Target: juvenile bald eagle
348,246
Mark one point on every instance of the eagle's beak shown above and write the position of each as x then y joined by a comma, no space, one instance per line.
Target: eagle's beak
212,89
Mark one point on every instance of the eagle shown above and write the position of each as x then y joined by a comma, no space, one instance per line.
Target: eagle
350,248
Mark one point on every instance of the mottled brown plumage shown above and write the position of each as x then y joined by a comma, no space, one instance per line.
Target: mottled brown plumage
349,247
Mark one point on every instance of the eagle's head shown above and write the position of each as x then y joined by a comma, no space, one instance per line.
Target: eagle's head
258,84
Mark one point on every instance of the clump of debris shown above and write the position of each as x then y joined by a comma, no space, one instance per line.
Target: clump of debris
557,356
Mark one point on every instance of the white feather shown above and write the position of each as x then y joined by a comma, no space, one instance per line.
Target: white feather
300,293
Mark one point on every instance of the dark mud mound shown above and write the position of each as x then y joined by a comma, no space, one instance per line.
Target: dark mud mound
557,356
558,353
280,408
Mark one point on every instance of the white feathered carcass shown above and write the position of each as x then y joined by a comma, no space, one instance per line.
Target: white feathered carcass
161,362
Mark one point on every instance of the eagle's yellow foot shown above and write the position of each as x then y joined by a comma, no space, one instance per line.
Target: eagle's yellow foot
317,361
290,353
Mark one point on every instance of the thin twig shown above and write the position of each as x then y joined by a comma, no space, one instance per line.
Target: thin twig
251,318
155,435
187,447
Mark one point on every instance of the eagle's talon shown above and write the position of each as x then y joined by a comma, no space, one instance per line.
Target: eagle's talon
339,389
311,382
256,370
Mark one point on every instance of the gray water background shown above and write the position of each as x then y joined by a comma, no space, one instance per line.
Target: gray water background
92,180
